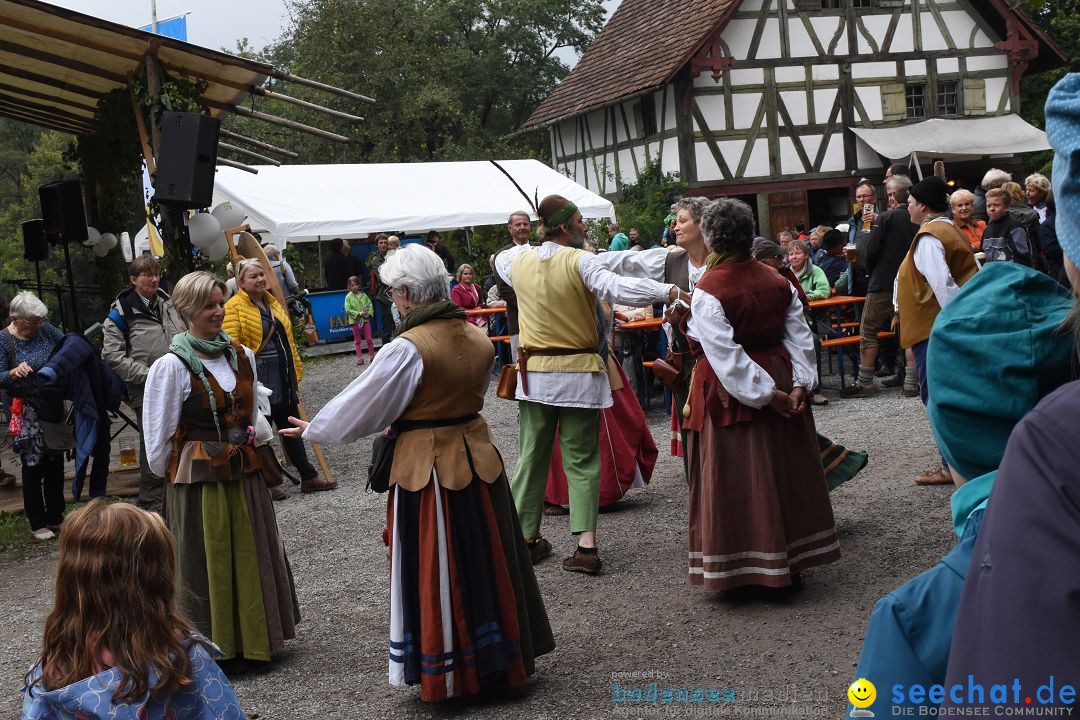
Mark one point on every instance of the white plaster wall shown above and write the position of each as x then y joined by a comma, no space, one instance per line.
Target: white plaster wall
707,169
705,80
825,27
789,159
769,47
981,40
737,36
670,160
825,72
878,27
948,65
994,88
871,101
752,76
712,107
932,39
915,68
904,37
960,24
823,103
873,70
595,121
791,74
834,154
795,102
988,62
758,166
669,111
744,108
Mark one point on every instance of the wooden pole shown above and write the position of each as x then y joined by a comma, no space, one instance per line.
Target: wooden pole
248,247
258,143
289,77
237,165
263,92
249,153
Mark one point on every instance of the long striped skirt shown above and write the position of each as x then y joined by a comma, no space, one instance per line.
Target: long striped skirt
759,503
466,614
233,580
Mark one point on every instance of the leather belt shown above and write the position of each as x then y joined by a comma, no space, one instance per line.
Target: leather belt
525,353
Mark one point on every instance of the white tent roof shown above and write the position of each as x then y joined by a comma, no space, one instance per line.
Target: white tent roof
302,202
957,137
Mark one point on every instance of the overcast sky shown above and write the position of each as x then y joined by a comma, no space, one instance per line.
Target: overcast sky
216,24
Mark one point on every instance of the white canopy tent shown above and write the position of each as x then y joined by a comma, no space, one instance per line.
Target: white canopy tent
298,203
956,138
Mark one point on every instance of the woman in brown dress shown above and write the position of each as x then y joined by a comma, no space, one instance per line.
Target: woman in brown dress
759,504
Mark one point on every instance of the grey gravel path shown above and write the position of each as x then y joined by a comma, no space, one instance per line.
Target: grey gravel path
638,623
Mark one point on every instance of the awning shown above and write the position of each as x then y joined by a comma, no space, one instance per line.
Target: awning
956,138
302,202
56,64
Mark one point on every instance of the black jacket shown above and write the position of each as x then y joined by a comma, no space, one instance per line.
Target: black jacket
1007,240
890,239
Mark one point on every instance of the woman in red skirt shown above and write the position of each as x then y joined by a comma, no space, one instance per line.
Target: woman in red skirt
759,504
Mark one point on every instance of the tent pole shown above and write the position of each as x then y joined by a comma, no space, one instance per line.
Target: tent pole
322,270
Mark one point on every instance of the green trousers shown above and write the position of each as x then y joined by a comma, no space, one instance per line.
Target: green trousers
579,441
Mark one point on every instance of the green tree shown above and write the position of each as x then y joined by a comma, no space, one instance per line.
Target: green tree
452,79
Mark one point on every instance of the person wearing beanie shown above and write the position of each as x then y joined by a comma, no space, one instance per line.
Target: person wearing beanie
563,381
1021,598
938,263
1005,322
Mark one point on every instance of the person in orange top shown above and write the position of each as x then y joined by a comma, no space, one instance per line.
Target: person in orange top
963,207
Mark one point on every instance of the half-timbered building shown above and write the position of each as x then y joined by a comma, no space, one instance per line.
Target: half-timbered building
786,103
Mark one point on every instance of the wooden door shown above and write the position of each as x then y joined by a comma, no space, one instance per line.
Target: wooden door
786,209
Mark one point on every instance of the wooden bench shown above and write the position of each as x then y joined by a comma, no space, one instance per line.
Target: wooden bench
499,338
837,345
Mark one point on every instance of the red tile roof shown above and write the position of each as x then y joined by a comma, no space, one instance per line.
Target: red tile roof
643,45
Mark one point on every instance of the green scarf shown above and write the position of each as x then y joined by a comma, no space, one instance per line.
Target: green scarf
441,310
716,258
187,347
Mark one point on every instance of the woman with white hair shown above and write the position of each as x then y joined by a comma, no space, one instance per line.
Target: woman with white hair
466,615
198,417
759,504
282,271
28,342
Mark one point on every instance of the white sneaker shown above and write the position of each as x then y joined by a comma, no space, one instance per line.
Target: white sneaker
44,534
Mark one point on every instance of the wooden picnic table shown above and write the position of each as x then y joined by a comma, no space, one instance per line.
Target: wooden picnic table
835,301
647,324
486,311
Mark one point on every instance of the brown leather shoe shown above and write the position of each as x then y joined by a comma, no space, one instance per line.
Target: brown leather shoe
317,484
934,476
539,548
276,494
859,391
588,563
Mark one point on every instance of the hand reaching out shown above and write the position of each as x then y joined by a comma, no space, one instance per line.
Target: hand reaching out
294,432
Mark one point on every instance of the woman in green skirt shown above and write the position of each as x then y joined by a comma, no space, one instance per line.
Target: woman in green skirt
233,579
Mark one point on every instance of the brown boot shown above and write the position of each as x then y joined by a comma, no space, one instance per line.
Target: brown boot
934,476
539,548
317,484
276,493
588,563
859,391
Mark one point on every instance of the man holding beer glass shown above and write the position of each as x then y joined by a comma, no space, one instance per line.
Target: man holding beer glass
138,330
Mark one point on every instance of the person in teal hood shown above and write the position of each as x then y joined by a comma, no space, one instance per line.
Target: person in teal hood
994,352
1020,609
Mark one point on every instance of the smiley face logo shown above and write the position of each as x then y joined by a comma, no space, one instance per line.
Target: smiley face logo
862,693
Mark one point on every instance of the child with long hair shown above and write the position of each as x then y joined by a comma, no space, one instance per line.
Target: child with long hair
115,645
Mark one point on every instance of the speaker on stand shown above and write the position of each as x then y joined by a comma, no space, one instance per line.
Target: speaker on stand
64,218
35,246
187,160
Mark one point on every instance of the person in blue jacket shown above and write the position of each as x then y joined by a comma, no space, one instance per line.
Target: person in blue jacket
1020,611
1005,322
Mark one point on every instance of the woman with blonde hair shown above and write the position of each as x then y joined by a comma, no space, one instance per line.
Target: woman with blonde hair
254,318
199,411
466,294
963,208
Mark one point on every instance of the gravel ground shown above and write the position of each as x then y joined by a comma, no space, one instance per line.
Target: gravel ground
640,622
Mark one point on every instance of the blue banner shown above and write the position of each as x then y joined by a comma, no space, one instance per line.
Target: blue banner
173,27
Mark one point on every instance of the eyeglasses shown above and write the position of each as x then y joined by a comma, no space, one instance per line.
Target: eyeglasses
150,275
30,321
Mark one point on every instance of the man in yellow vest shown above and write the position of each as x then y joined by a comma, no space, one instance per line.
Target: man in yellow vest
939,261
563,382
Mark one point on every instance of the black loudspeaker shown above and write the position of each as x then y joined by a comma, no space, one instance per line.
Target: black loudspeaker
35,247
62,212
187,160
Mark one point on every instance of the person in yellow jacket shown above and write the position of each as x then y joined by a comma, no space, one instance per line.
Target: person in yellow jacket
255,318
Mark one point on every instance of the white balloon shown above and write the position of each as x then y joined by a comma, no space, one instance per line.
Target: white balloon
125,246
101,250
229,215
93,236
107,241
204,230
217,250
